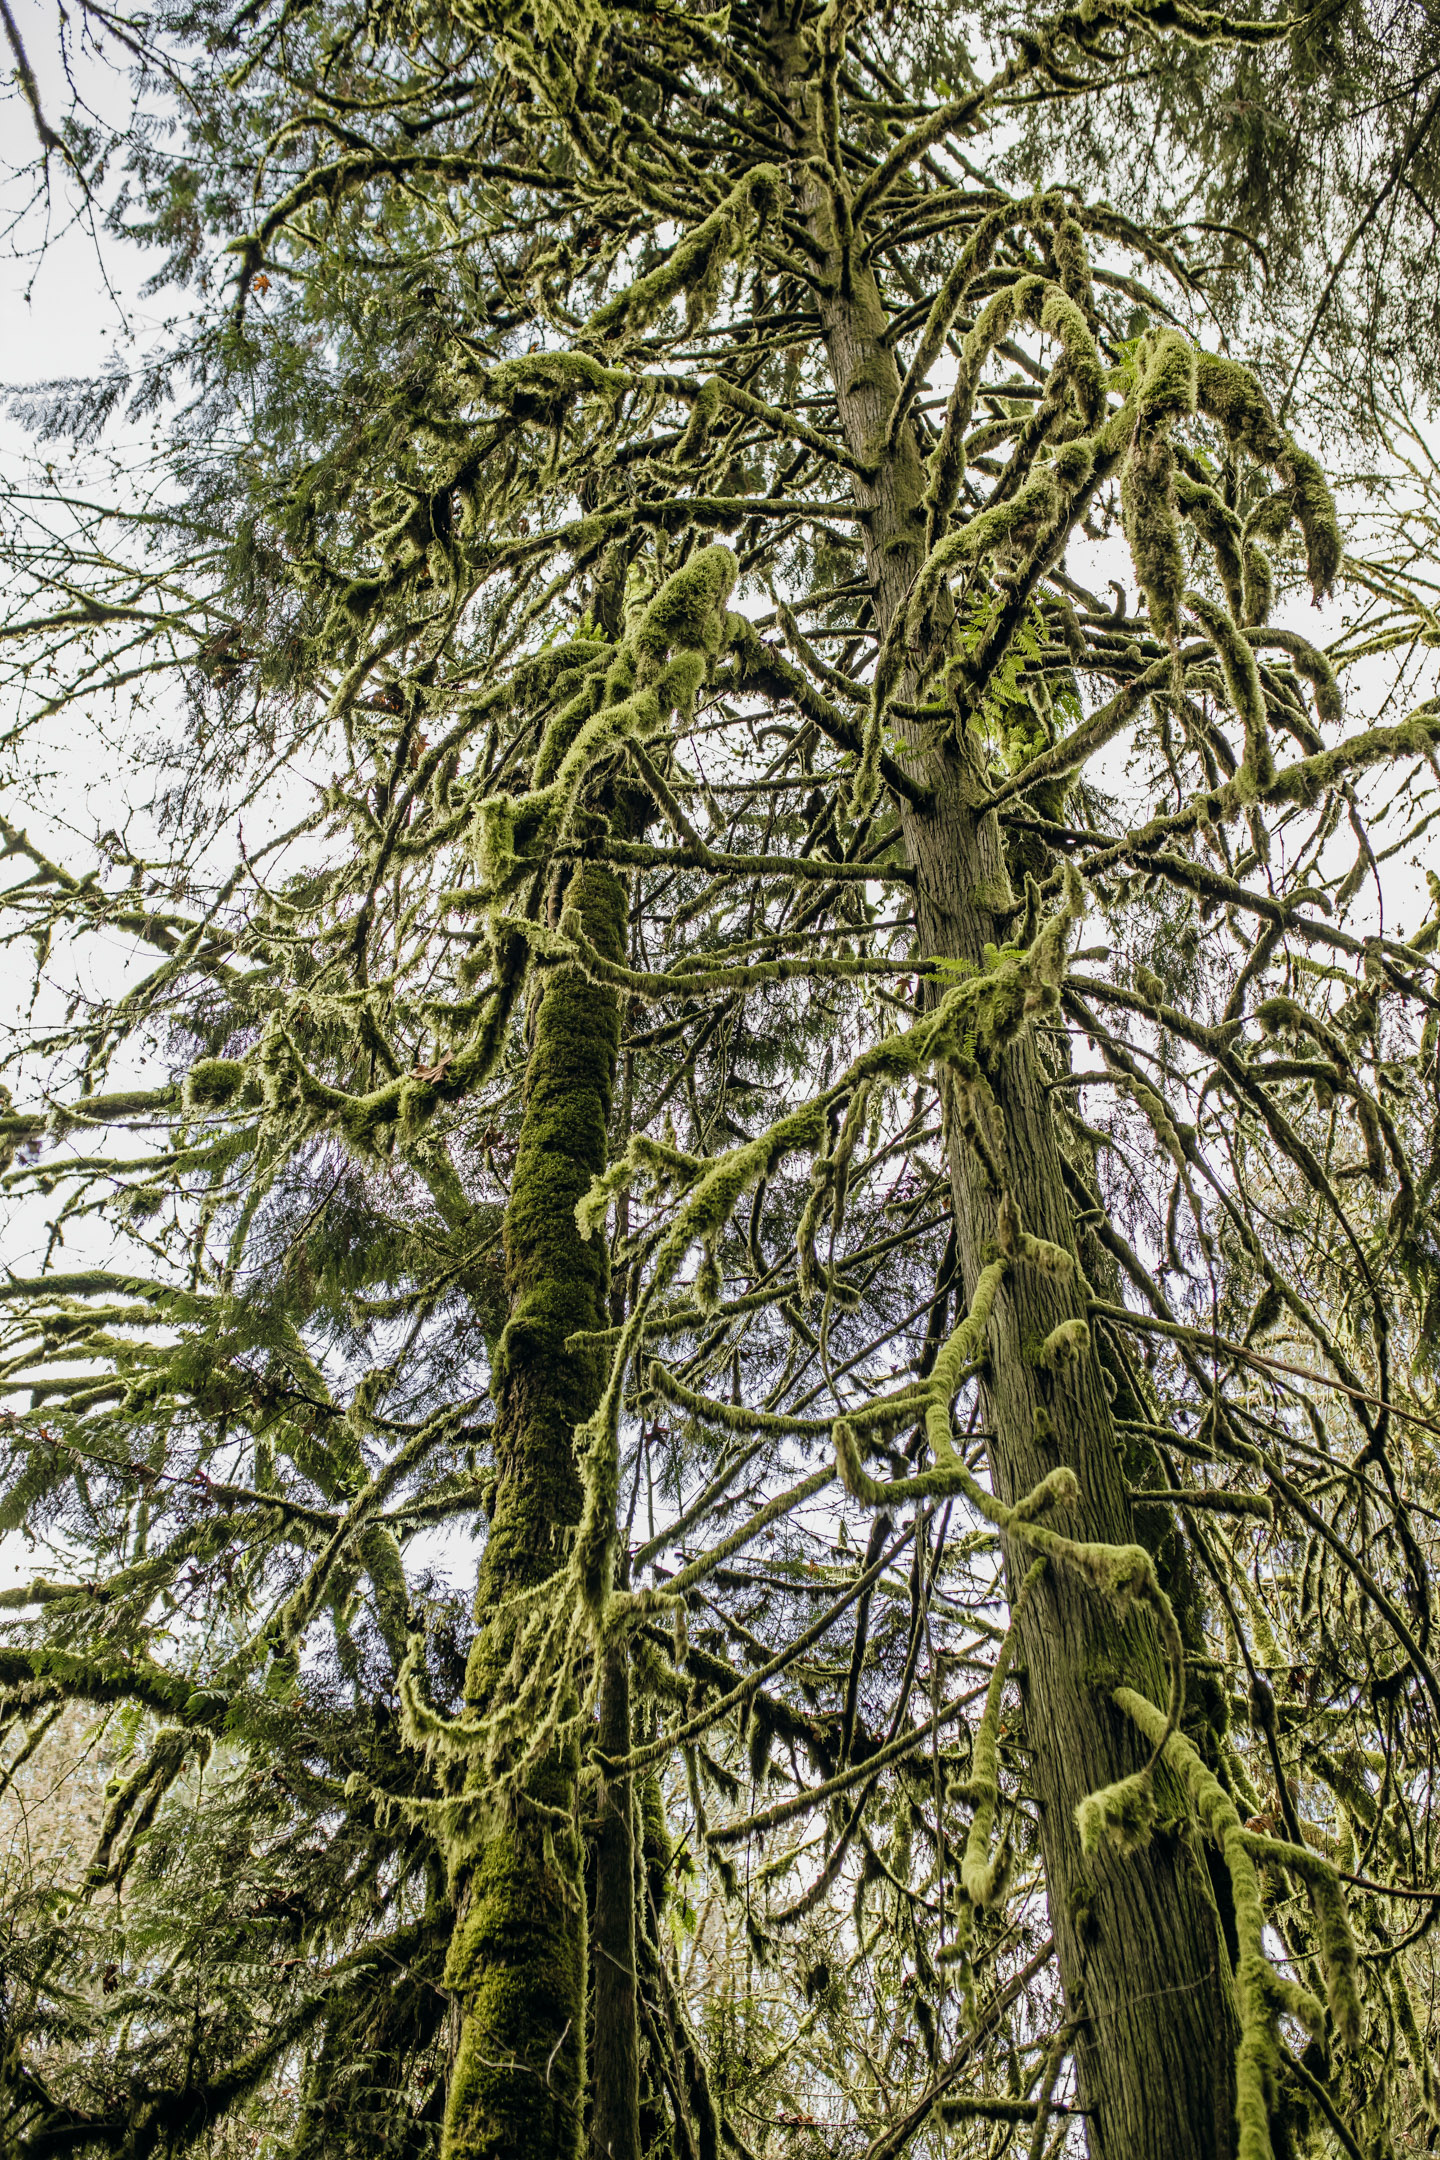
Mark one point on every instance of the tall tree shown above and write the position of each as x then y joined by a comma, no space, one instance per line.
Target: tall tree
779,841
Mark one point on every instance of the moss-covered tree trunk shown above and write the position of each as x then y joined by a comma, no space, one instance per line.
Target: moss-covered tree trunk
518,1956
1141,1951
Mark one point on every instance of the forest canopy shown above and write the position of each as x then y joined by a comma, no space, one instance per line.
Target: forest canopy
725,1417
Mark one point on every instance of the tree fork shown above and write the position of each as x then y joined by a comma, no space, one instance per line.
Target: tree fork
518,1954
1138,1938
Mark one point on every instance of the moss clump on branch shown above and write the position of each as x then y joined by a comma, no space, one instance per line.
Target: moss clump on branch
642,687
1121,1815
697,264
1055,312
974,258
542,387
1231,396
1242,680
213,1084
1166,369
1064,1344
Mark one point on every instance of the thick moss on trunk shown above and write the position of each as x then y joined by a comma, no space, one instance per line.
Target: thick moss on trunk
518,1955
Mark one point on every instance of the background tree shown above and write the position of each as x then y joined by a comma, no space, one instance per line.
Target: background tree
630,482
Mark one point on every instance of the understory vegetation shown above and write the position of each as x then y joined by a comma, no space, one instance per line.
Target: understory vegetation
720,1332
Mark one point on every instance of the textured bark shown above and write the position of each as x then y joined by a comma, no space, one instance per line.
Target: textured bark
1138,1938
518,1955
615,2123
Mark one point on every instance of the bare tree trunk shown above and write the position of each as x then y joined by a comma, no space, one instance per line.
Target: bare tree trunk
518,1955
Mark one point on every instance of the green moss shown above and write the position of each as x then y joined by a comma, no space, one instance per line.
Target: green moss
1166,366
1072,260
1232,397
1165,393
1264,1994
212,1084
1032,505
517,1965
687,612
1054,311
1064,1344
655,1844
984,1873
1314,507
1122,1815
1338,1956
1315,668
517,1959
132,1803
639,691
697,265
1219,527
1422,2065
541,387
1258,584
703,415
1242,681
556,1278
1306,781
975,257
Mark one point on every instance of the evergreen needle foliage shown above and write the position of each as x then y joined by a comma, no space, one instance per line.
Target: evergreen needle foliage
788,1070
